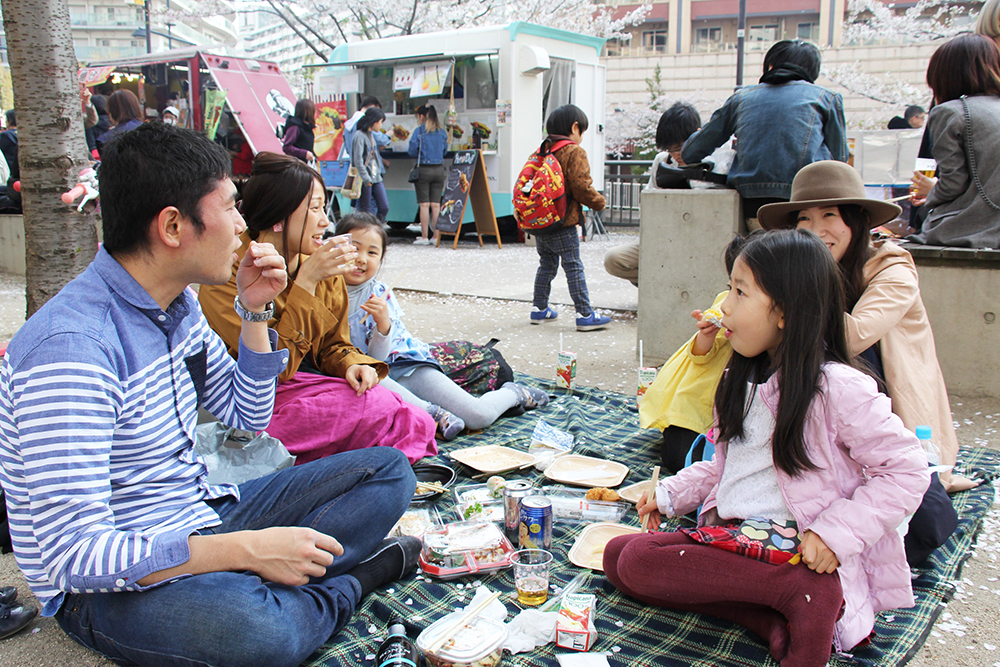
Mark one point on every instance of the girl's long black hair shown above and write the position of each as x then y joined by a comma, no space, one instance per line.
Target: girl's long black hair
796,270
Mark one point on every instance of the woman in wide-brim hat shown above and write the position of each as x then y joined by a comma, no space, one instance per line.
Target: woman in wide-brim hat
886,320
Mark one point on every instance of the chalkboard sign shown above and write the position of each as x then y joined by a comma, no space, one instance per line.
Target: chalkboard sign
467,181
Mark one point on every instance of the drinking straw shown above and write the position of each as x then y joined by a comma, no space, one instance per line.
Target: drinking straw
640,353
561,348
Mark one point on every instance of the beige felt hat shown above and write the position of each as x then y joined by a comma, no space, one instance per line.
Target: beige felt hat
826,183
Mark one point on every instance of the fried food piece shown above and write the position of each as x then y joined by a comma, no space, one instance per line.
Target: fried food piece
610,495
597,493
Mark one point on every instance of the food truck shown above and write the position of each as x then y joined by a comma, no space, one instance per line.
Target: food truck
254,91
503,80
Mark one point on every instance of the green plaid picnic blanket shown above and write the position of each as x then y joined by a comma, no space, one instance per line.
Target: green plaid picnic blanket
606,425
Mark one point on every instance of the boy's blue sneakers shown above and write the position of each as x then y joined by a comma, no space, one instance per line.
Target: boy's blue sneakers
591,322
539,316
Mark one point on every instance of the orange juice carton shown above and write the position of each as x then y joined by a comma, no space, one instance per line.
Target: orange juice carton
646,377
566,369
575,627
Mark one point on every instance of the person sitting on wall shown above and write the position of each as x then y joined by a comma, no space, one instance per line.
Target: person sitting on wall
913,119
114,523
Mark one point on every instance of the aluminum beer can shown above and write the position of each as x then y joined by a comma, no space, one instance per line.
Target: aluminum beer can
513,493
535,529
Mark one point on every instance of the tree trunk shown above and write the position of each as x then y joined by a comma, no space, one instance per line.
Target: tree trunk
59,242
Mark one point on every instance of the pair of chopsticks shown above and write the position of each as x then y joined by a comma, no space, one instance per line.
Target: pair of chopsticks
459,622
652,494
490,474
394,283
434,486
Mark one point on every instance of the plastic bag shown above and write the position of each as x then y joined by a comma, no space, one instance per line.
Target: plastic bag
233,456
548,443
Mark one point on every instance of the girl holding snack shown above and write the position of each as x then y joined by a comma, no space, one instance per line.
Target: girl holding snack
810,465
886,320
327,399
680,399
413,372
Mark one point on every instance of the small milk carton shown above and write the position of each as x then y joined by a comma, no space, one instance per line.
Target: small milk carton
575,627
646,377
566,369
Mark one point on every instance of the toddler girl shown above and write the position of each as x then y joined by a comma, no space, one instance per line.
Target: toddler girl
811,465
413,372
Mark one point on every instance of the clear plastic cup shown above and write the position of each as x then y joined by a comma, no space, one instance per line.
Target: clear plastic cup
345,243
531,575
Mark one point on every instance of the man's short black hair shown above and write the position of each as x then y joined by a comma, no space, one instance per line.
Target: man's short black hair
677,124
147,169
11,119
370,101
911,111
561,120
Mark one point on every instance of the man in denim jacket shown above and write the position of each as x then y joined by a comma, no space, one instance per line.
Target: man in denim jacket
781,125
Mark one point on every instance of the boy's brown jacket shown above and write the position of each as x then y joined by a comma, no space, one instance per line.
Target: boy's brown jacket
579,184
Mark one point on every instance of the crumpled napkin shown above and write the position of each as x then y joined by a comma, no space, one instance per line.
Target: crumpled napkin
495,611
531,629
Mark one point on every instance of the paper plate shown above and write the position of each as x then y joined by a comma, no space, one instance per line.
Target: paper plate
586,471
492,458
633,492
588,550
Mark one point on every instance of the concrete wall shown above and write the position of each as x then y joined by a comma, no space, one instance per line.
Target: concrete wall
709,78
961,291
681,268
12,244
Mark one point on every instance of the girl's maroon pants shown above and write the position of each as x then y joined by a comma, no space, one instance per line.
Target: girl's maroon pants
791,607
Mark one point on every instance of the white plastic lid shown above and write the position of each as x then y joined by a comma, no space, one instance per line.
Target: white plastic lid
473,641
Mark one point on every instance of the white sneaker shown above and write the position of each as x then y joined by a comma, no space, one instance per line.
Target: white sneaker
422,241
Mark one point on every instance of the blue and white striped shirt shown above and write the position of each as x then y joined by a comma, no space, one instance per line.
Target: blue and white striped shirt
99,395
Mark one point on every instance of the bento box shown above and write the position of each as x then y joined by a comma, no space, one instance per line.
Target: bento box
462,548
478,643
416,521
479,502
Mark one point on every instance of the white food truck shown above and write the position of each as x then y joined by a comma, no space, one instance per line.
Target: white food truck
506,80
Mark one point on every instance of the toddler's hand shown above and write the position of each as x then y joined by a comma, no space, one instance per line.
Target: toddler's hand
379,310
816,555
647,505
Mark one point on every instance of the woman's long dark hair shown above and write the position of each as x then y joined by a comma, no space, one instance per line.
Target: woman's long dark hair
372,116
123,106
796,270
276,187
859,251
305,110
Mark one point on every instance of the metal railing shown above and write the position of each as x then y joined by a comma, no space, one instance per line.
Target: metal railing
622,189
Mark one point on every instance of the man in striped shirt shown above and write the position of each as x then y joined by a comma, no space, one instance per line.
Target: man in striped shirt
114,524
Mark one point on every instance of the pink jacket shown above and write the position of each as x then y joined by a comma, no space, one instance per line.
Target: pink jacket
872,474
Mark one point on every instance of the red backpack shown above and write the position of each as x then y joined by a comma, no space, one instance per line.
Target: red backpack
540,192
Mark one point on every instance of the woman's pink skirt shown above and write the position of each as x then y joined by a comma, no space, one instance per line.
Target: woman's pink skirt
315,416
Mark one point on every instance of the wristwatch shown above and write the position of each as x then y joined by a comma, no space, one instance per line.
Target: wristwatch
254,317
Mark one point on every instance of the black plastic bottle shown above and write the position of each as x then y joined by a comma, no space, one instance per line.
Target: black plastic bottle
397,650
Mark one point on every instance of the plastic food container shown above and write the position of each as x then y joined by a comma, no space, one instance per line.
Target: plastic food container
477,502
467,547
478,643
416,521
572,505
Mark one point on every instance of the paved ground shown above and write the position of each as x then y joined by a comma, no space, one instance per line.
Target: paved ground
443,301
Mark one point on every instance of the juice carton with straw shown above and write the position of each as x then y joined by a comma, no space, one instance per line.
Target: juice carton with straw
646,376
575,627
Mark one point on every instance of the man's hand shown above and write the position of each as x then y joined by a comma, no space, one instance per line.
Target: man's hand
361,378
261,276
379,310
328,261
647,505
816,555
290,555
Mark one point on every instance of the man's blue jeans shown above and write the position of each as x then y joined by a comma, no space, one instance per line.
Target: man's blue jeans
234,618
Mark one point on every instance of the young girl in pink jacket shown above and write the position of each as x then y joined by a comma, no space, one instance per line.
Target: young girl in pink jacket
796,538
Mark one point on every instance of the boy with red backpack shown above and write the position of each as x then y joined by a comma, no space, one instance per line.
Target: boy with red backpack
561,241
